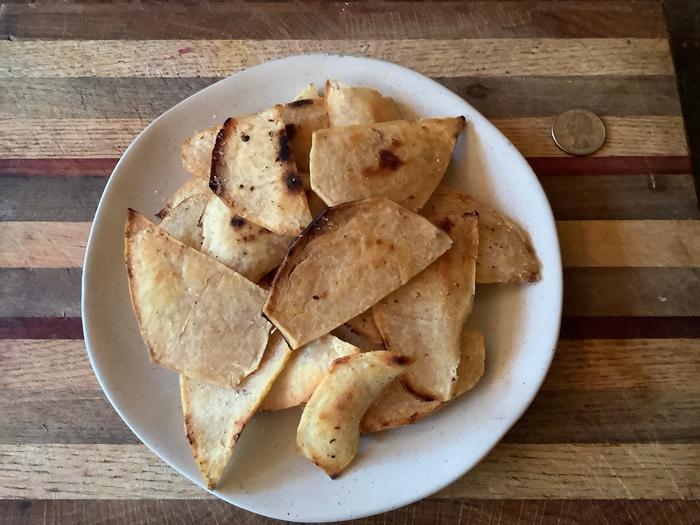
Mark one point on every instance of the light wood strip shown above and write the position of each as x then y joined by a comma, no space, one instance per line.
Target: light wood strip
630,243
584,244
510,471
215,58
98,138
626,136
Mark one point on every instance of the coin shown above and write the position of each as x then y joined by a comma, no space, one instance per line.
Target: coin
578,132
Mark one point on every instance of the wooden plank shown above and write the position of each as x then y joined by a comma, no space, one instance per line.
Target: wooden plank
599,471
622,327
263,20
625,136
217,58
38,327
99,138
618,165
50,292
630,243
619,196
43,244
495,97
428,511
63,167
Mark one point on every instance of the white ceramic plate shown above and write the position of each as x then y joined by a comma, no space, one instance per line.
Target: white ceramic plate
393,468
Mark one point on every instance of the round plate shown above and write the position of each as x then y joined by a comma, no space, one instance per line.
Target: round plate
392,468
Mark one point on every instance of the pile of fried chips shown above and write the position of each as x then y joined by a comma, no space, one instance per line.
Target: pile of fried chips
357,314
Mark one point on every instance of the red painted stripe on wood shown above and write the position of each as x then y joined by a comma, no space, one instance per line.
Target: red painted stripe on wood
41,328
64,167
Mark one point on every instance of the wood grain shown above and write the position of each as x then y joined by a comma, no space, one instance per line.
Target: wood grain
41,327
623,327
261,20
618,165
43,244
432,57
99,138
626,471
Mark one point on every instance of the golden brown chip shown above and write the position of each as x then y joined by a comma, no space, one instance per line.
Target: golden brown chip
365,326
181,298
396,407
403,160
348,259
328,432
424,317
301,118
506,254
304,372
182,221
196,152
350,105
215,417
253,173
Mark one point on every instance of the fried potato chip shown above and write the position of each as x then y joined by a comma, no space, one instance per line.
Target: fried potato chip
424,317
365,326
506,254
253,173
194,187
304,372
182,222
181,298
350,105
310,91
316,205
215,417
345,333
196,151
349,258
243,246
403,160
395,407
328,432
301,118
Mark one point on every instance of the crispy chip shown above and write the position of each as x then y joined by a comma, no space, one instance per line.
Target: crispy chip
365,326
180,297
243,246
215,417
328,432
310,91
254,174
506,254
301,118
182,222
348,259
424,317
396,407
304,372
349,105
196,151
403,160
194,187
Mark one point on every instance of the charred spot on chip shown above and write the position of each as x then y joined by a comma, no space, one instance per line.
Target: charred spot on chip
215,184
245,137
283,151
388,160
162,213
300,103
473,213
445,224
291,131
238,222
401,360
315,297
293,182
341,361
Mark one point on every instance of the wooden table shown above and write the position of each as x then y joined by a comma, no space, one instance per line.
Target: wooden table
613,436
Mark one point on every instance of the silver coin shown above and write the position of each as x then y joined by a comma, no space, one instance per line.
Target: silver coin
578,132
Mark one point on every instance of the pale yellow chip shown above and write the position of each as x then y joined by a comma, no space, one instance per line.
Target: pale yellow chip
396,407
309,91
348,259
182,301
194,187
182,221
254,174
301,118
243,246
215,417
350,105
365,326
403,160
196,152
304,372
328,432
506,254
424,317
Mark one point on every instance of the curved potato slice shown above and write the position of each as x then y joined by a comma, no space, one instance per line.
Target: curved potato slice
182,222
243,246
424,318
396,407
328,432
253,173
348,259
350,105
194,187
215,417
196,151
506,254
304,372
180,300
403,160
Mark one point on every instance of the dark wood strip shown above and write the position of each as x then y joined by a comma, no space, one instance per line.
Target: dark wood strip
57,167
495,97
50,292
620,165
429,511
609,197
49,198
41,328
332,21
627,327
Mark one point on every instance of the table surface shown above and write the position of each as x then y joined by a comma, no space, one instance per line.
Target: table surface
614,434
